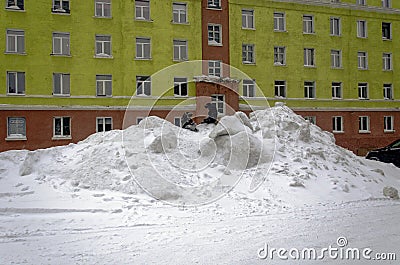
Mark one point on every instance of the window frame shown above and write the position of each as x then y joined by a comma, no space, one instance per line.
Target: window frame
388,95
337,124
220,104
337,90
310,94
103,43
181,83
363,91
17,6
336,59
214,34
335,26
387,60
388,123
386,3
279,55
249,88
309,55
279,21
61,84
106,85
387,29
364,121
214,4
18,135
311,119
177,46
143,46
280,88
18,36
144,16
362,59
179,13
248,19
62,37
104,124
308,24
143,82
103,4
362,29
248,54
60,9
63,134
217,65
361,2
16,80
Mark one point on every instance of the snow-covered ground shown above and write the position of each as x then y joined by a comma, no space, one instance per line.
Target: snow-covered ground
285,184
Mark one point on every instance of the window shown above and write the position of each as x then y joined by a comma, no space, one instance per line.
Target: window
103,85
309,59
308,24
386,3
180,87
361,2
362,90
388,91
386,31
336,90
142,9
387,61
103,46
214,34
103,8
180,50
139,119
15,4
248,54
178,121
335,26
214,68
311,119
61,44
337,124
61,84
279,21
362,60
179,13
247,19
62,127
362,29
363,124
214,4
143,85
103,124
16,128
143,48
280,89
15,41
219,101
61,6
279,55
309,89
248,88
336,59
15,83
388,124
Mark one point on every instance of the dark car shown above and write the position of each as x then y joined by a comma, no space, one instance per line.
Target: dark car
388,154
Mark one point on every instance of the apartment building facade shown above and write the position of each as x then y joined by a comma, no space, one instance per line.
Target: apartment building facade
70,68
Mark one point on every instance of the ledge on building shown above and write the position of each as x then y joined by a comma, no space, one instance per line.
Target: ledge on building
16,138
58,138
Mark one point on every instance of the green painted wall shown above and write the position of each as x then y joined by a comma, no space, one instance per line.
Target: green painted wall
38,22
264,38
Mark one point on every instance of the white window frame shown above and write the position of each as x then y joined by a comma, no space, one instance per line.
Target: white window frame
248,21
335,26
143,86
248,54
17,78
58,6
103,121
62,134
388,91
390,31
142,10
311,119
387,61
219,104
214,34
363,91
178,121
104,85
19,132
139,119
309,57
180,50
179,13
143,48
64,84
337,124
214,4
15,41
361,2
280,88
386,3
279,21
337,90
362,58
105,43
15,4
214,68
101,7
362,29
61,43
279,55
364,124
308,24
309,90
388,123
249,88
179,86
336,58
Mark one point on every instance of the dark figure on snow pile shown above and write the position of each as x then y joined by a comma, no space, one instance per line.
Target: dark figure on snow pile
188,123
212,114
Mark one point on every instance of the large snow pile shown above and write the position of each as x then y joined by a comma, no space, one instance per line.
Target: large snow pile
280,156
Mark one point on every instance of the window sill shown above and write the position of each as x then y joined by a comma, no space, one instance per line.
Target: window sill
384,39
388,99
143,59
61,55
103,96
15,8
180,23
15,53
61,95
143,96
248,28
389,131
282,31
217,8
9,139
310,98
60,13
58,138
279,64
389,70
309,33
15,95
103,57
179,61
363,98
364,132
102,17
310,66
215,44
337,68
178,96
248,63
144,20
337,98
279,97
338,132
